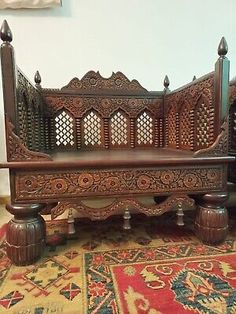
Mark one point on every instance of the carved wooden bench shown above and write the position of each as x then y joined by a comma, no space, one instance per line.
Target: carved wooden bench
110,137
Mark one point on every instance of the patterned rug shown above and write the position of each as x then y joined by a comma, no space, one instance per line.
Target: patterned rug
156,267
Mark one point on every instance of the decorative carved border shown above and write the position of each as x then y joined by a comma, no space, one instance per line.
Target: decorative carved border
94,81
190,94
73,184
16,149
105,106
220,146
104,212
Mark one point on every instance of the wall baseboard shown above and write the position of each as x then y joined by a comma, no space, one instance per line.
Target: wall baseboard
4,199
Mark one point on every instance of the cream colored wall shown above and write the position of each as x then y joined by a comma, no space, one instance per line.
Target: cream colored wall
145,39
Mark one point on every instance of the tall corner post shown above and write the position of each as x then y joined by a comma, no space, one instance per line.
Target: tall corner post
166,90
26,231
8,79
211,222
221,87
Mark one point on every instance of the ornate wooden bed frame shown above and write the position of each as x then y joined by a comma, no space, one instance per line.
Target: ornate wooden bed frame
110,137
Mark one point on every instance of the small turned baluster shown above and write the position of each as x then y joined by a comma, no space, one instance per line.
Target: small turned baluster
156,132
106,132
132,132
52,133
78,132
180,215
46,133
161,132
177,130
30,130
41,125
71,223
126,217
37,130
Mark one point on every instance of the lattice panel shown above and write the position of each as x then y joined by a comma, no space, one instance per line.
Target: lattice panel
172,123
186,128
119,129
22,113
64,130
144,129
234,124
92,129
204,125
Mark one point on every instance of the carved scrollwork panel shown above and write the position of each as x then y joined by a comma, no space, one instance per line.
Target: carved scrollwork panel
16,150
220,146
119,204
61,185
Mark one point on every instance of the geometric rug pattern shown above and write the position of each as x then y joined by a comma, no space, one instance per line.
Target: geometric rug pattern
155,268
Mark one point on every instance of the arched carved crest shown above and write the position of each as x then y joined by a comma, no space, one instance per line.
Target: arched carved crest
94,81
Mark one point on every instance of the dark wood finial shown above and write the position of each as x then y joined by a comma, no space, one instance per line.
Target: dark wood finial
37,78
222,48
166,82
194,78
5,32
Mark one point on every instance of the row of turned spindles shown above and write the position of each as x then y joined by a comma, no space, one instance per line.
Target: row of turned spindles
126,217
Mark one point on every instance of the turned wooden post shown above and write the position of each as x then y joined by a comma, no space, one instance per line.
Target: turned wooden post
8,78
212,218
127,218
166,84
221,87
211,222
26,233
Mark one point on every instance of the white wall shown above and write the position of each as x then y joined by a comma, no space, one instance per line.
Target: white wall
145,39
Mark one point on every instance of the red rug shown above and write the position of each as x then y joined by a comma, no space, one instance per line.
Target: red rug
154,268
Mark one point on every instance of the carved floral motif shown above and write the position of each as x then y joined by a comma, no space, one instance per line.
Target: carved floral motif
116,182
119,204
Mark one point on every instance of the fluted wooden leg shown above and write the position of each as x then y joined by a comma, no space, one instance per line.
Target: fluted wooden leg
211,222
26,233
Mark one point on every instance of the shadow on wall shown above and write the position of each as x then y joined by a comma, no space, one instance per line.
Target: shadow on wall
64,10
